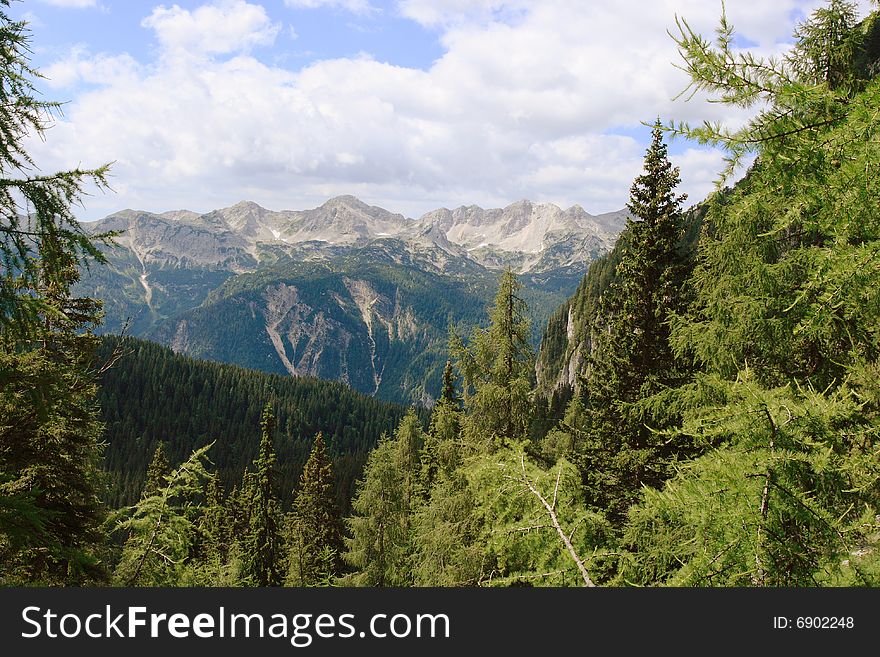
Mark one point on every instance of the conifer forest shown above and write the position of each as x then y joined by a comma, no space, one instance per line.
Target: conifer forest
719,426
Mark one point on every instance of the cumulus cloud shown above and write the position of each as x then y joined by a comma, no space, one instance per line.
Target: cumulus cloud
223,27
542,106
81,66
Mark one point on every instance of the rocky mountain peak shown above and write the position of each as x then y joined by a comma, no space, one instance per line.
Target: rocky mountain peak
523,234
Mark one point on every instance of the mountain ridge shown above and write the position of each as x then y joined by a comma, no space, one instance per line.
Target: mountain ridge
517,235
344,291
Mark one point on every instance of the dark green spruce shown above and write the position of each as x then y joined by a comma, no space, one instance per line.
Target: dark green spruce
262,546
315,537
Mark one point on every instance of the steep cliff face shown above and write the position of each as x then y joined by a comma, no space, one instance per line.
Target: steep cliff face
567,338
379,327
566,342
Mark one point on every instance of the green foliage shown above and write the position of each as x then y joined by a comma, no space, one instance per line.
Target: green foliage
39,236
448,393
783,498
497,369
787,282
152,395
315,536
784,322
801,95
157,472
619,450
49,427
262,545
378,547
449,537
409,358
525,545
49,456
215,561
161,529
380,544
724,433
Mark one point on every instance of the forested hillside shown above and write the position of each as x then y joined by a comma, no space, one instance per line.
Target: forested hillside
151,395
723,429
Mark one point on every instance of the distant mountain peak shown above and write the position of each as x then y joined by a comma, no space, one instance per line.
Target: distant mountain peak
526,235
345,198
246,205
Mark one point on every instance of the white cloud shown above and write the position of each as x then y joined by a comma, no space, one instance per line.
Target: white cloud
225,26
72,4
80,66
434,13
355,6
536,107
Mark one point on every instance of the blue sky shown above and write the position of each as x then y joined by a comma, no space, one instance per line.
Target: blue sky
307,34
408,104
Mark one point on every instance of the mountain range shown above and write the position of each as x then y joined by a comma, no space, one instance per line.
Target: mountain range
344,291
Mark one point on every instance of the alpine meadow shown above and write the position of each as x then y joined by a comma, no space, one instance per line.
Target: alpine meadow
682,392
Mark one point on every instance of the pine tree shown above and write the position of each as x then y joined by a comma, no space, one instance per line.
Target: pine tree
49,428
784,323
315,541
827,46
35,210
631,359
214,557
215,526
449,394
262,548
161,529
157,472
497,369
381,543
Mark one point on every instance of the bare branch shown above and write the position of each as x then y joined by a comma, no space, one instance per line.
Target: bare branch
556,488
555,520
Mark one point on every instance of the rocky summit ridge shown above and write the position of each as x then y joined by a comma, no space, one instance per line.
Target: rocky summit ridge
530,237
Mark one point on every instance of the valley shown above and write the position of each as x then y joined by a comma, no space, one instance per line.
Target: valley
345,291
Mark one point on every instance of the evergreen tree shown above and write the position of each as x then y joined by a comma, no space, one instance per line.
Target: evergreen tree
785,325
237,508
35,210
215,526
497,368
49,471
441,452
157,472
215,557
378,545
381,547
449,394
315,542
826,48
153,393
161,529
449,535
262,548
768,287
49,429
620,450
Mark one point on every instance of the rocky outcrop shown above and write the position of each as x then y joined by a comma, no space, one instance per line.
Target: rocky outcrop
529,236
